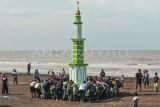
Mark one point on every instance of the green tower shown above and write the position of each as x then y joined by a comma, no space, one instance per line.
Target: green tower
77,69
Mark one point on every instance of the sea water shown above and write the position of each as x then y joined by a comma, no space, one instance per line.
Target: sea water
114,62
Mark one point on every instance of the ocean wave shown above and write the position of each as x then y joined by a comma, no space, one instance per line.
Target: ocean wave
33,63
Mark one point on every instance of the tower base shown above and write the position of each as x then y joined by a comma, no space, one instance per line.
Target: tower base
77,73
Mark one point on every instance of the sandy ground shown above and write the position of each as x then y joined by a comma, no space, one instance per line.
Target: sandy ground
22,97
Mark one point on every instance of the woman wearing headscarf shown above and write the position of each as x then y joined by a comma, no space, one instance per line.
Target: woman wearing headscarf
4,84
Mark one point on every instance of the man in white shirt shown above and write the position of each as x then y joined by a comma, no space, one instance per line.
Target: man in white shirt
82,90
32,88
134,102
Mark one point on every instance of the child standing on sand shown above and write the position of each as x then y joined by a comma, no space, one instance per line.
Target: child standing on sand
15,76
134,102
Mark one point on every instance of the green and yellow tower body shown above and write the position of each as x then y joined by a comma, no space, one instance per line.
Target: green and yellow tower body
77,69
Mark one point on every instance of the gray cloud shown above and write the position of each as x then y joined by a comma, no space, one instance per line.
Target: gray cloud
118,24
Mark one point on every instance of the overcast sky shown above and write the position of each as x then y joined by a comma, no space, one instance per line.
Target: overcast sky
107,24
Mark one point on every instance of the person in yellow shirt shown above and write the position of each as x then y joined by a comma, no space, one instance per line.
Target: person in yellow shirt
63,72
156,80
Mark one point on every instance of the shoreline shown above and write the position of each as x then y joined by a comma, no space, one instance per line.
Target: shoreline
96,72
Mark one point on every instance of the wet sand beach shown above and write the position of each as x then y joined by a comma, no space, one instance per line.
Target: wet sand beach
19,96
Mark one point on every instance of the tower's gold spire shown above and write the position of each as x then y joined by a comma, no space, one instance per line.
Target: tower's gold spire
78,13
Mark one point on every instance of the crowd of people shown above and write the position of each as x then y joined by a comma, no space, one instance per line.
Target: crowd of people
143,77
58,87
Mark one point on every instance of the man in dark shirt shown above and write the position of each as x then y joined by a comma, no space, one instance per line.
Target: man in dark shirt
59,90
139,78
102,73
